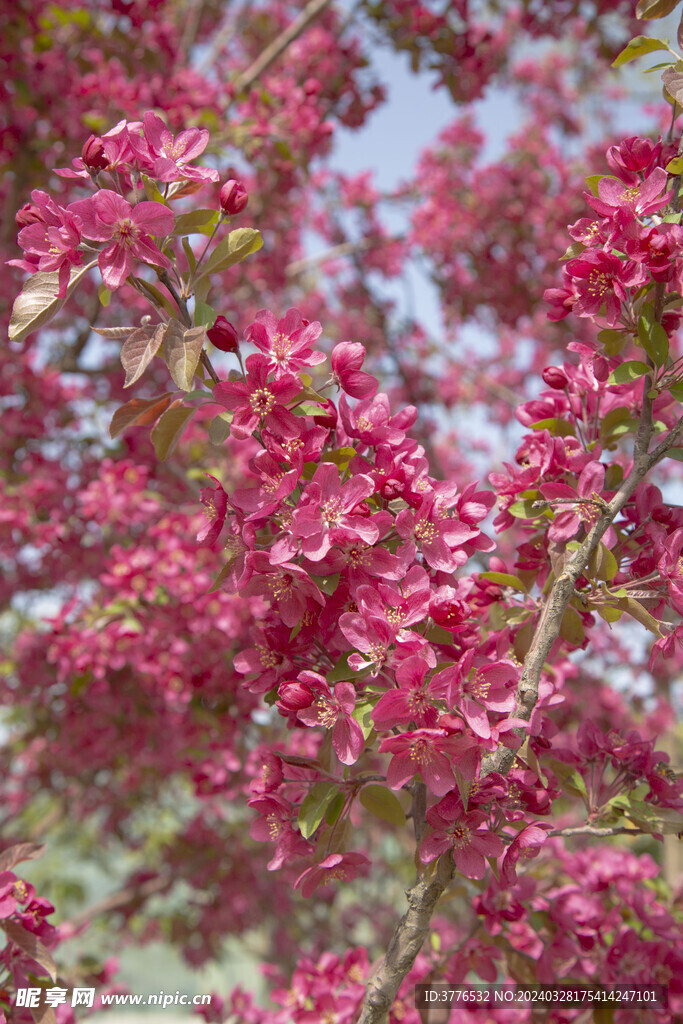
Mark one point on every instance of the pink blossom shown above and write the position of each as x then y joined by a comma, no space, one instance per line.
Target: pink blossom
329,513
413,701
287,342
459,831
168,158
425,751
51,241
334,710
107,217
526,844
347,359
334,867
258,401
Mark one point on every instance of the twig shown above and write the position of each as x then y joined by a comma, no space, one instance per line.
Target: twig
280,44
594,830
120,899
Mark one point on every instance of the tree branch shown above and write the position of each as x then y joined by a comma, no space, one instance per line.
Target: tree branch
280,44
119,899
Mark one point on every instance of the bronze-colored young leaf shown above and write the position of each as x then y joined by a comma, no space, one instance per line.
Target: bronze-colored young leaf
31,945
648,10
20,852
169,429
139,411
182,351
139,349
672,79
37,303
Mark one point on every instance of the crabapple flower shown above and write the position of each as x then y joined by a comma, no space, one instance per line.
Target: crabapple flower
50,239
347,359
223,335
275,826
328,512
412,701
168,158
257,400
461,832
287,342
526,844
334,711
215,502
107,217
615,199
424,751
336,866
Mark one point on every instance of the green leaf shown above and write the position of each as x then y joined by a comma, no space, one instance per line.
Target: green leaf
168,431
647,10
556,426
629,371
602,564
674,166
204,315
182,351
219,428
574,250
525,510
308,409
636,610
328,584
676,390
339,456
504,579
659,342
237,246
335,808
383,803
314,806
104,295
193,222
608,613
675,453
139,349
593,180
571,628
37,303
139,411
638,47
363,715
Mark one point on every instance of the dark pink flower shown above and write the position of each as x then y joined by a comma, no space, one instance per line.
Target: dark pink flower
335,867
223,335
168,158
256,400
334,711
526,844
287,342
215,502
425,751
347,359
107,217
289,587
412,701
275,826
461,832
616,199
601,279
328,512
50,240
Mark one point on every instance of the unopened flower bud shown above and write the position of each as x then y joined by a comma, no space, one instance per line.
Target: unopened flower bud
223,335
234,197
555,378
94,157
601,368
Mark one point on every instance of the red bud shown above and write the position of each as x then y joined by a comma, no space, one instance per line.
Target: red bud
555,377
234,197
223,335
93,154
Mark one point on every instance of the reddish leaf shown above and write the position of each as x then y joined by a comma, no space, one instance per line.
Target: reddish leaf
20,852
182,351
168,431
139,350
31,945
141,411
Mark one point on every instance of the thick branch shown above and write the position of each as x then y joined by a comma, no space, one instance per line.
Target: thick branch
406,942
550,621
